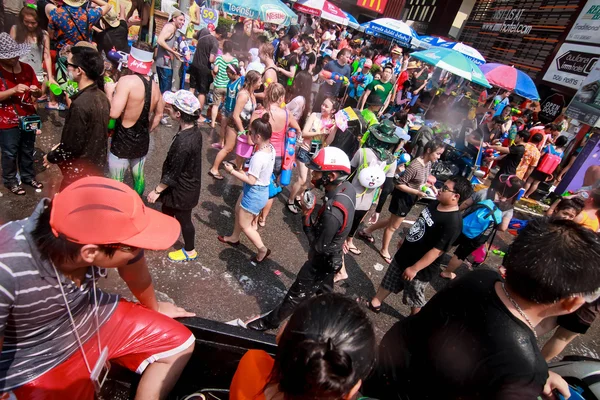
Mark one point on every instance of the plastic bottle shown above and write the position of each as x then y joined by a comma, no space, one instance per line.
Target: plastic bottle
288,158
427,190
111,123
54,88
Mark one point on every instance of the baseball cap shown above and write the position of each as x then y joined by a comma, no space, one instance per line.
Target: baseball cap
183,100
368,63
97,210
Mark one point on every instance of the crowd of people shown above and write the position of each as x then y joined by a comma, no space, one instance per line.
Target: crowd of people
318,109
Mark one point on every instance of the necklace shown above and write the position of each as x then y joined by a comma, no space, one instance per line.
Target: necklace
519,309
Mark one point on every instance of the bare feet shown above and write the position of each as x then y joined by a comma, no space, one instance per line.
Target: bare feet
448,275
340,276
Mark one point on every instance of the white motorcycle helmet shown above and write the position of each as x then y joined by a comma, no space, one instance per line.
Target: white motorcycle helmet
371,177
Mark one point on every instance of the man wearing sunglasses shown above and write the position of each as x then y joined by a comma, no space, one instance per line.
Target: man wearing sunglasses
56,326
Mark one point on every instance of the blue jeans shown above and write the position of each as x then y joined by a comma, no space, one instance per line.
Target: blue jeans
17,156
165,75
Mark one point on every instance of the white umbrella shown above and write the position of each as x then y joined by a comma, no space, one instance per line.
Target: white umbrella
390,29
323,9
468,51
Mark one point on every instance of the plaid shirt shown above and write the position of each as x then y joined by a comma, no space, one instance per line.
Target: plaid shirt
62,24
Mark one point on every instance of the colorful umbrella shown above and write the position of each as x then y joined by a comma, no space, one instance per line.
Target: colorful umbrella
453,62
390,29
510,78
323,9
352,22
430,41
270,11
468,51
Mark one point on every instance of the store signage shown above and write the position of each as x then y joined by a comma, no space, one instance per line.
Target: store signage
587,26
373,5
507,21
551,107
585,106
572,64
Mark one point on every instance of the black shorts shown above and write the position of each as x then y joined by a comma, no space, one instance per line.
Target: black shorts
277,166
539,175
203,80
401,203
466,246
580,320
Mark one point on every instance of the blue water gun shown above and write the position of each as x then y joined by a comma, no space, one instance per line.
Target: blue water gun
288,158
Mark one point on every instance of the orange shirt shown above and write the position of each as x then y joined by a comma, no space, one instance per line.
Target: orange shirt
251,376
590,221
530,158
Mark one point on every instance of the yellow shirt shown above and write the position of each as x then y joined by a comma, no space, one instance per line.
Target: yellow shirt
192,26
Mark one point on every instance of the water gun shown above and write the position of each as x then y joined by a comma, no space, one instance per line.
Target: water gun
515,111
119,57
428,191
288,157
335,76
54,88
185,50
268,81
358,79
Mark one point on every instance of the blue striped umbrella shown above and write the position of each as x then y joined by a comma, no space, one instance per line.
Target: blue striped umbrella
390,29
468,51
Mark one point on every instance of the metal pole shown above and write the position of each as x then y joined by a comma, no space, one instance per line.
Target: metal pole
151,23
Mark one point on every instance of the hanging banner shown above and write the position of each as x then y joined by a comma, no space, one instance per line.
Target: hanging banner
587,26
209,16
585,106
572,64
373,5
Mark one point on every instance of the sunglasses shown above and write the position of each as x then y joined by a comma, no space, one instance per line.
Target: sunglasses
445,188
72,65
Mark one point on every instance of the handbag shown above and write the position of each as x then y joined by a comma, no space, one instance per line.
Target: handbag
27,123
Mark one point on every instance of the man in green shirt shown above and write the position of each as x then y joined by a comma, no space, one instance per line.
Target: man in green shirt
381,88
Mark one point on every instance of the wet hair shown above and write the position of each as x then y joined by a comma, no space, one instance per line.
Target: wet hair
327,346
227,46
310,40
462,187
537,138
22,31
286,40
345,51
433,145
388,66
508,187
401,118
58,249
575,204
221,30
498,120
523,135
335,104
267,49
302,87
274,93
262,127
90,62
251,78
561,141
187,118
141,45
553,260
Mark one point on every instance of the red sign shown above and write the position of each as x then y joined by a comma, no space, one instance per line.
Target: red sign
307,10
373,5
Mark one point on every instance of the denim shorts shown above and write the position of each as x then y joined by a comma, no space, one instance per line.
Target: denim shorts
303,155
254,198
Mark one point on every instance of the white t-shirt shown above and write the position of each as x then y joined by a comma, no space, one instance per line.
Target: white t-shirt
296,107
261,166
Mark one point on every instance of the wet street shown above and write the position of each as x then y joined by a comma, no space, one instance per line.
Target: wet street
222,284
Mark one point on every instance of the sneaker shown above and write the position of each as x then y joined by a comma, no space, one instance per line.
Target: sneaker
164,121
181,255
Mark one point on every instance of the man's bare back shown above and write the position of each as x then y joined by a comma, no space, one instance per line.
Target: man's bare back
128,101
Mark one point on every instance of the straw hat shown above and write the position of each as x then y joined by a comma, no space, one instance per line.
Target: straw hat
75,3
412,65
112,18
11,49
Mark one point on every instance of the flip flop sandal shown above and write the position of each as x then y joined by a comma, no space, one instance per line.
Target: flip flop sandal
292,208
34,184
354,250
387,259
261,222
18,190
366,236
222,240
254,260
218,177
367,303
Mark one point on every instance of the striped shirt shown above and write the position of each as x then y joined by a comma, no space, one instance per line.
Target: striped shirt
221,80
33,317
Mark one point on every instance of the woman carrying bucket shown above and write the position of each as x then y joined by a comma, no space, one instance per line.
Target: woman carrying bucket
238,123
255,192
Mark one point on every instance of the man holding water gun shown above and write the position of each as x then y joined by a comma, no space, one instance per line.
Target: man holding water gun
339,69
358,82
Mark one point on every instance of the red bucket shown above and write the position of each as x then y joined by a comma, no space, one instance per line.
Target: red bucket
243,149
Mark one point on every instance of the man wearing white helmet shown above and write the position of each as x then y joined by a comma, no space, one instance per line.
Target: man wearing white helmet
326,233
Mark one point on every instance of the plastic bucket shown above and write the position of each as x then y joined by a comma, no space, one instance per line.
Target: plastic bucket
243,149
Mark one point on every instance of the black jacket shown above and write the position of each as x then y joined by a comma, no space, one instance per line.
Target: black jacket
84,140
327,233
182,169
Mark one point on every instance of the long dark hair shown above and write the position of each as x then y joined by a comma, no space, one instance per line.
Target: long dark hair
327,346
21,30
302,87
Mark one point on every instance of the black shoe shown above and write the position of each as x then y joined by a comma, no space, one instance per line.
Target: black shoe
260,325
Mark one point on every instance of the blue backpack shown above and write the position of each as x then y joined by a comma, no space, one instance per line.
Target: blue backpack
484,215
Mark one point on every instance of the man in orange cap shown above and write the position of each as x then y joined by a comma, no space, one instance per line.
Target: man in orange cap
58,331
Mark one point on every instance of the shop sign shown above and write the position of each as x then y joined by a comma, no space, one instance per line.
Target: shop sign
572,65
587,26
